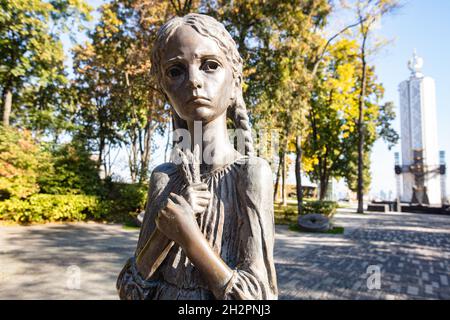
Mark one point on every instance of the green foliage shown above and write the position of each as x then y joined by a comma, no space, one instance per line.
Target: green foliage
32,57
332,115
285,215
295,81
333,230
21,161
351,169
384,127
326,208
127,199
117,95
49,208
72,171
43,182
331,148
276,48
27,167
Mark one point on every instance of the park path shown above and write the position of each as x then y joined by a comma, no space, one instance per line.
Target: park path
412,252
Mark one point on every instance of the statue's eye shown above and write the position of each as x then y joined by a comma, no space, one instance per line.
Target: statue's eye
175,71
210,65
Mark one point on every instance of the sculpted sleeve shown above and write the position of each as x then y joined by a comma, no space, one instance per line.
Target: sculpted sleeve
254,276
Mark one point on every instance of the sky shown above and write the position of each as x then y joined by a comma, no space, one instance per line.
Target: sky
419,24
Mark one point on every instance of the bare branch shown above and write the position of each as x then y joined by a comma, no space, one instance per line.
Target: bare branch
322,54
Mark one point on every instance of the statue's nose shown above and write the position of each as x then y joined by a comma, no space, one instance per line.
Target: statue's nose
194,81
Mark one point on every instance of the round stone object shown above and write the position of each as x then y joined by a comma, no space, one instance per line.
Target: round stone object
314,223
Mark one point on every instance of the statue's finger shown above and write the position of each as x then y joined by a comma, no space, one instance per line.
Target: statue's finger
203,202
171,202
176,199
203,194
200,186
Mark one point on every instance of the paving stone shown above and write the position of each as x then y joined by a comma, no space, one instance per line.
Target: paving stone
444,280
413,290
428,289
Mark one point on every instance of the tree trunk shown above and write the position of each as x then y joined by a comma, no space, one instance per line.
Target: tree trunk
133,155
324,177
360,186
107,161
145,156
145,162
283,185
323,190
101,149
277,180
323,187
298,174
7,107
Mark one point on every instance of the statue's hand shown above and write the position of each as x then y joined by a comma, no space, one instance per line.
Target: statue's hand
198,196
177,221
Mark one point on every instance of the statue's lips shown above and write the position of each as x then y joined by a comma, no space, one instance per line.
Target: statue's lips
199,100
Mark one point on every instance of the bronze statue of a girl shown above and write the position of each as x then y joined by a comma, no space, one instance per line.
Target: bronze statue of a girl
208,229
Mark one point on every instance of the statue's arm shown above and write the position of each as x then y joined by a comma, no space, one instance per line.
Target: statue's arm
153,253
131,282
215,271
254,275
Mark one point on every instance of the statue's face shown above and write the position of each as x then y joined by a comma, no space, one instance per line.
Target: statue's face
197,77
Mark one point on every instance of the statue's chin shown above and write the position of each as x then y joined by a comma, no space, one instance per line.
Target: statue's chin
203,114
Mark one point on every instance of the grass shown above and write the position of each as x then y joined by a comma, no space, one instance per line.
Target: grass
333,230
130,225
285,215
344,205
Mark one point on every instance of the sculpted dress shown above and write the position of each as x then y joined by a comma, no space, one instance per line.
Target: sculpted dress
238,224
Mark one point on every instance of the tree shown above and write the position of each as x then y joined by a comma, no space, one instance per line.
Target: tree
274,46
146,112
96,120
121,104
331,123
331,144
368,13
70,171
31,54
21,161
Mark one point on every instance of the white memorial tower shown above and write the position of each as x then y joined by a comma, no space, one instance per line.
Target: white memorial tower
419,170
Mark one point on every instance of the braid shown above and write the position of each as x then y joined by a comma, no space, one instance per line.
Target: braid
238,113
209,27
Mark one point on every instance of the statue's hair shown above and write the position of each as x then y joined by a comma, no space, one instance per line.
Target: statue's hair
209,27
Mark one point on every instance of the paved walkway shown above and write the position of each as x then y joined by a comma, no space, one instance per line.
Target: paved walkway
411,251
